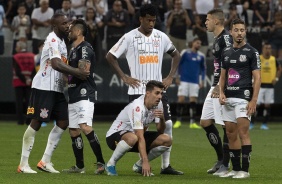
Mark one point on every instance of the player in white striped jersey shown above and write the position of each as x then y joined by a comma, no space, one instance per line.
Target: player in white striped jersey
144,48
47,99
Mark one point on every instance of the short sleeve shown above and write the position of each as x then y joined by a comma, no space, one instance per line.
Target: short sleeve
167,43
120,47
255,61
135,114
54,48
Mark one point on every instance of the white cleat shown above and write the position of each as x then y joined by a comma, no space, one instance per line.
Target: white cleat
221,171
242,174
229,174
26,169
46,167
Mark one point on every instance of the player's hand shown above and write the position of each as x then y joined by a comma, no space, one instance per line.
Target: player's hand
251,107
222,98
134,83
146,168
177,81
215,92
82,74
167,82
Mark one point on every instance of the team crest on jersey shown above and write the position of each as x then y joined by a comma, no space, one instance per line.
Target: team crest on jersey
216,47
243,58
137,109
44,113
247,93
156,43
73,55
83,91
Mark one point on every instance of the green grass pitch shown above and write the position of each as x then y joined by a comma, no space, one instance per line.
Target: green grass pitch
191,153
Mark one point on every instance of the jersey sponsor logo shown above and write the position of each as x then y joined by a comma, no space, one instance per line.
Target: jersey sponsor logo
243,58
226,39
246,49
232,88
233,61
233,76
137,109
64,59
227,48
84,52
30,110
148,59
83,91
216,47
44,113
53,40
45,68
247,93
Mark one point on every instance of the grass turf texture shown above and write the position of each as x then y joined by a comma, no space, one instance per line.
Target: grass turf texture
191,153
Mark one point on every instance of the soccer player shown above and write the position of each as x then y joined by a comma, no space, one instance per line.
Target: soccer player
144,48
211,107
270,73
47,99
192,65
82,95
238,95
128,131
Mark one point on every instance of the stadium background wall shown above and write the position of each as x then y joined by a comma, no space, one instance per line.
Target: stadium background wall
112,92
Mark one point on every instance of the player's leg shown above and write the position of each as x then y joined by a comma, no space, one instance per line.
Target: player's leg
193,93
120,143
59,112
261,100
166,167
269,99
182,93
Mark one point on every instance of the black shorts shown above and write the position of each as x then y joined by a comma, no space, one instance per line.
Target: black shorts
149,137
45,105
166,107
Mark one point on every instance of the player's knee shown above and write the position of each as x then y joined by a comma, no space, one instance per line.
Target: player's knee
205,123
63,124
165,140
131,140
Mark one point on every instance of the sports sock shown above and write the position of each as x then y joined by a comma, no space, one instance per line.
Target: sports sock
53,141
156,152
235,159
95,145
215,140
166,154
246,157
266,114
121,148
179,111
77,147
192,112
226,155
28,141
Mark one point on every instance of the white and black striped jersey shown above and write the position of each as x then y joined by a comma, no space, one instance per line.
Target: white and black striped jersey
144,55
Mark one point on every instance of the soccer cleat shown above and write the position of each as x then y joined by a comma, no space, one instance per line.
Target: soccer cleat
111,170
229,174
242,174
264,127
215,167
195,126
177,124
100,168
74,169
221,171
170,170
43,124
138,169
251,126
26,169
46,167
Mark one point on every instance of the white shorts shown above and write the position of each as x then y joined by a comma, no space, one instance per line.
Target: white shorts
234,108
81,112
188,89
212,109
266,96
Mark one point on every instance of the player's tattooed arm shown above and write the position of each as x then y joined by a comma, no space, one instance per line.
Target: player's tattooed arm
173,52
112,60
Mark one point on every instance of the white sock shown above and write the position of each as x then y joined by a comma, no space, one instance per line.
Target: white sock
166,154
28,141
156,152
53,141
121,148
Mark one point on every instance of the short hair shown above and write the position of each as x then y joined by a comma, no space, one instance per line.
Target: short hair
41,1
80,24
55,16
22,45
191,43
153,83
148,9
217,13
237,21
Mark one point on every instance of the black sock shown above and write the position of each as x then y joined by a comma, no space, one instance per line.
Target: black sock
95,145
235,159
266,114
77,146
215,140
179,111
192,111
246,157
226,155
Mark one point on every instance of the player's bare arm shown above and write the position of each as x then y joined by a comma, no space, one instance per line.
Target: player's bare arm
173,52
222,80
251,107
112,60
215,92
60,66
146,168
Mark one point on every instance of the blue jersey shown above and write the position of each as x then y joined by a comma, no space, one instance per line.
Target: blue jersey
191,66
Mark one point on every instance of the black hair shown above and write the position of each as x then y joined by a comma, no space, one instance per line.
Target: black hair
237,21
148,9
217,13
153,83
54,17
81,24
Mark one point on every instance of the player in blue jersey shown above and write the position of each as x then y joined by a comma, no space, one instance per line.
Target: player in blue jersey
192,65
240,81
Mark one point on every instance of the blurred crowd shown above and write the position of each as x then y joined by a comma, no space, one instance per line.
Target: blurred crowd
108,20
